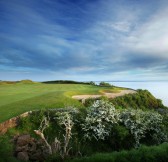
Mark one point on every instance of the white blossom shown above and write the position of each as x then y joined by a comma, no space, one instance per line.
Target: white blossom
100,118
140,122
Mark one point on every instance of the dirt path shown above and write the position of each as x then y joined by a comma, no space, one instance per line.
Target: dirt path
109,95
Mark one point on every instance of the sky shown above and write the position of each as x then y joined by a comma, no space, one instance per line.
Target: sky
84,40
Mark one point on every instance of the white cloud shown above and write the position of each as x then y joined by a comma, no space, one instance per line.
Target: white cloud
152,37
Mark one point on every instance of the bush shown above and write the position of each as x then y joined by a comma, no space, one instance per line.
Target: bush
101,117
143,99
100,128
92,83
141,123
120,138
105,84
89,102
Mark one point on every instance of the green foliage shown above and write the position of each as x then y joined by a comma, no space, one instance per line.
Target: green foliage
143,154
92,83
165,120
6,150
142,122
68,82
105,84
120,138
31,122
89,102
143,99
99,120
165,123
100,128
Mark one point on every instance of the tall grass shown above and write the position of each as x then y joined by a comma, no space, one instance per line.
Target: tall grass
6,150
143,154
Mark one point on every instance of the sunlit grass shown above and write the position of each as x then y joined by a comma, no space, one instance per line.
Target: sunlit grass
20,97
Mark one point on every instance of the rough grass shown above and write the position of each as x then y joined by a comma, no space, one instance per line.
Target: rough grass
114,90
20,97
143,154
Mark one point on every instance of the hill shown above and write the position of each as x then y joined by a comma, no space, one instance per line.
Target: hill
27,81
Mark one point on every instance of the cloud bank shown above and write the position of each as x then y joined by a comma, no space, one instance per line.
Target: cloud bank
83,40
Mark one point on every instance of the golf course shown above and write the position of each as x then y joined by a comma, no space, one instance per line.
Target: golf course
19,97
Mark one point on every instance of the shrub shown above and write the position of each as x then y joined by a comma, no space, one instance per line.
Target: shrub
105,84
120,138
142,122
143,99
88,102
92,83
101,117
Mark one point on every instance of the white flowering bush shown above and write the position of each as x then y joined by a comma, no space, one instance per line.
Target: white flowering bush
100,118
140,122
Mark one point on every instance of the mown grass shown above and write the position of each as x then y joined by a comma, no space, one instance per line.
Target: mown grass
143,154
20,97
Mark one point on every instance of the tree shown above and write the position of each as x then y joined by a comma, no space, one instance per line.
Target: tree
92,83
105,84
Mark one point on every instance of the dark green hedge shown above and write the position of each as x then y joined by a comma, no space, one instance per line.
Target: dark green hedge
67,82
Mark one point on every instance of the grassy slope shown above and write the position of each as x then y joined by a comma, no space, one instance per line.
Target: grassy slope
20,97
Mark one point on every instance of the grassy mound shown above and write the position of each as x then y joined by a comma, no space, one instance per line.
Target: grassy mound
27,81
7,82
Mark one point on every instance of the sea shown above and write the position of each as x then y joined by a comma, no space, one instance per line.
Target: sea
159,89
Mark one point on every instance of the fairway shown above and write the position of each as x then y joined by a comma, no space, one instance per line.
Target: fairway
20,97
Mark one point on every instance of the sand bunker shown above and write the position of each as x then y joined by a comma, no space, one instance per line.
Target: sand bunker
109,95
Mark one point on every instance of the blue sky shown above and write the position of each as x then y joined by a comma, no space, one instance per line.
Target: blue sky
84,40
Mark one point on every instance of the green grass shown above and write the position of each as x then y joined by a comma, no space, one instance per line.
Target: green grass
6,150
143,154
20,97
